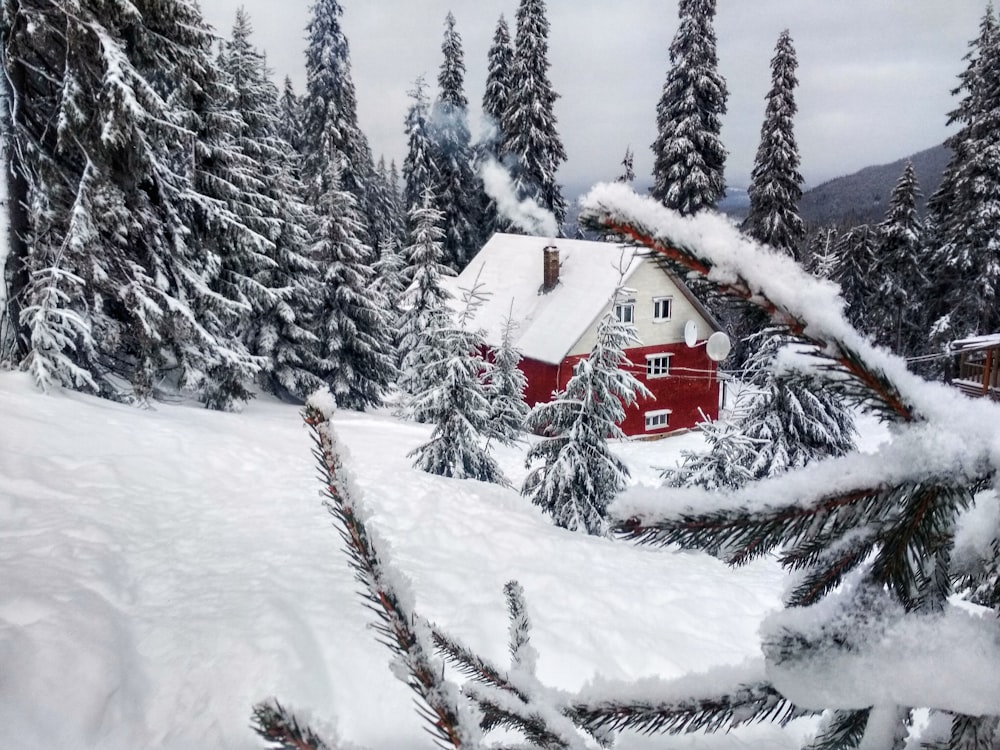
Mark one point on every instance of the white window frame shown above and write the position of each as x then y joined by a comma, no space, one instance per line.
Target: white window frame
670,309
621,314
657,420
658,365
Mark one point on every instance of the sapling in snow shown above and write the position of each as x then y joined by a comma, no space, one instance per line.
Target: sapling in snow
579,475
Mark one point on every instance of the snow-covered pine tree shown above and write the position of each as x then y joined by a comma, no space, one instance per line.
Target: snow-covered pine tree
456,193
496,97
291,116
688,155
532,149
821,257
420,170
781,420
855,251
628,168
116,205
506,385
352,325
775,182
387,219
278,330
330,112
900,273
452,396
579,475
966,207
424,304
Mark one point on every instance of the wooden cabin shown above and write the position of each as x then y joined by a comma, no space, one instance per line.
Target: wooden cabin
556,292
976,368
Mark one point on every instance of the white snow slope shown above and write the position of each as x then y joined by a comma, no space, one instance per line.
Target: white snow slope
163,570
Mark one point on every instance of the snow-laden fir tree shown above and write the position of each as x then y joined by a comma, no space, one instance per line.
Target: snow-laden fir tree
496,97
781,420
424,304
291,117
855,251
506,385
688,155
775,182
965,208
457,188
579,475
387,218
628,168
352,319
532,148
901,285
453,397
330,109
420,169
130,213
278,331
821,257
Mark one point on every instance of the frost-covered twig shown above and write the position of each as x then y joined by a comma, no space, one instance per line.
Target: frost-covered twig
282,730
401,629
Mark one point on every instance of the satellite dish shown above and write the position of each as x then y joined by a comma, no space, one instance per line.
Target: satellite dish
691,333
718,346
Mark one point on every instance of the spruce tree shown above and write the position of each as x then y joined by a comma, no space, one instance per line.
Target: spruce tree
132,207
456,191
966,207
496,97
775,182
532,148
506,384
901,285
688,155
855,250
420,170
579,475
291,116
330,119
424,304
452,396
821,253
355,334
278,330
628,168
387,219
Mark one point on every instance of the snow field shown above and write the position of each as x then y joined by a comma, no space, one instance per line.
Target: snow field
165,569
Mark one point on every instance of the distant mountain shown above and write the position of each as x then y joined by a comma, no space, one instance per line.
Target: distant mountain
863,197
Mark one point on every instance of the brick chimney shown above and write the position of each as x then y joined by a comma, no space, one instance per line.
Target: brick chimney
550,266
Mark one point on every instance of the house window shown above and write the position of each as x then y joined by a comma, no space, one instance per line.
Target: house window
662,308
657,420
657,365
625,311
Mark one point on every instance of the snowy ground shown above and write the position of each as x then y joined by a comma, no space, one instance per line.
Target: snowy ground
165,569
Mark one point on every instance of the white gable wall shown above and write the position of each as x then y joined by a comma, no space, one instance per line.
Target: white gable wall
649,281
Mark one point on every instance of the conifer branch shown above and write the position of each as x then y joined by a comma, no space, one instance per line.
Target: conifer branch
400,628
844,731
710,713
282,730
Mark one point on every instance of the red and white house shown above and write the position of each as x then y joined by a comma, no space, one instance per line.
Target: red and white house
556,291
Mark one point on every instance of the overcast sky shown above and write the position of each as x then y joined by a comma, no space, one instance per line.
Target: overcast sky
875,76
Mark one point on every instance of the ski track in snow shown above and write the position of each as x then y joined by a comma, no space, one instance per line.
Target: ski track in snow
165,569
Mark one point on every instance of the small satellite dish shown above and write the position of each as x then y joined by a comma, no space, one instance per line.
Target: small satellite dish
718,346
691,333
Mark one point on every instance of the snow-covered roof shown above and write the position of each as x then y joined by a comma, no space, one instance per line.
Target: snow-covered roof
509,270
976,343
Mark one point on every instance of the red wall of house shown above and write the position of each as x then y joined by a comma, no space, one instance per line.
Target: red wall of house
692,387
